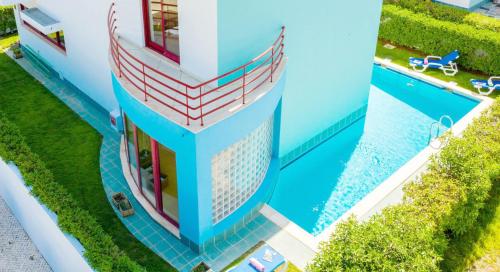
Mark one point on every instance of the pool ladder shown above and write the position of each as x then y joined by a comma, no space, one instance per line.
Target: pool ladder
433,141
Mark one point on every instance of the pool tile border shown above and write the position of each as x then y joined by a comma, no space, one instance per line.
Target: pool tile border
323,136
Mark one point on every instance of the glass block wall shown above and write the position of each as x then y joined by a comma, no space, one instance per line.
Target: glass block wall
238,171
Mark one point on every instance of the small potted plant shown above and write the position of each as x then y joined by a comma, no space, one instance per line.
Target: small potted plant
122,203
16,50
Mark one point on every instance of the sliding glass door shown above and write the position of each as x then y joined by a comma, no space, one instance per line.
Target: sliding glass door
161,20
168,180
153,168
146,166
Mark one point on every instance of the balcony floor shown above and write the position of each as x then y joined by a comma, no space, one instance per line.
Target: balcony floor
166,66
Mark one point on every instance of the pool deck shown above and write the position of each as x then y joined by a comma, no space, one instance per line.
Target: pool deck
142,225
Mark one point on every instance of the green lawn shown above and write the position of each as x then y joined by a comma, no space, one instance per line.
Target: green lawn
479,248
6,41
70,148
400,56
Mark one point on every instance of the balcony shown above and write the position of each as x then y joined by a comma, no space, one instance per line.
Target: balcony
181,98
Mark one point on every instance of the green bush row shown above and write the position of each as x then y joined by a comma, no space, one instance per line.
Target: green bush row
445,201
100,250
7,20
448,13
479,49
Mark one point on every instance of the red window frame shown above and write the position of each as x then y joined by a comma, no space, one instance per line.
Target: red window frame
163,50
58,42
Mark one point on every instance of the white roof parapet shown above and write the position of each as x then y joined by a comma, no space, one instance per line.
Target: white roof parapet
41,21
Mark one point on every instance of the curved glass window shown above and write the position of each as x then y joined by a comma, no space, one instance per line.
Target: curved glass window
238,171
156,176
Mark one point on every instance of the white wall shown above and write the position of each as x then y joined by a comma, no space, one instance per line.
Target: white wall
198,37
57,248
130,21
85,63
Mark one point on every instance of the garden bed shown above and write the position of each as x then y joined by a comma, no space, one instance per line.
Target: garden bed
69,148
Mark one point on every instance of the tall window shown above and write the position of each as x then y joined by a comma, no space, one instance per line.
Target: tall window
131,151
168,179
146,166
161,20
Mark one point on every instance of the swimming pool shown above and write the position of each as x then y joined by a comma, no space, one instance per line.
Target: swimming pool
322,185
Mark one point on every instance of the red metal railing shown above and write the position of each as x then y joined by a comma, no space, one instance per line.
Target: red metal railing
195,102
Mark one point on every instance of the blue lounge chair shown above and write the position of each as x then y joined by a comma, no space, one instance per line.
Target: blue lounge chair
446,64
278,263
492,84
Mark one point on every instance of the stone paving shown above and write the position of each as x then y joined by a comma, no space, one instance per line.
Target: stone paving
144,228
17,251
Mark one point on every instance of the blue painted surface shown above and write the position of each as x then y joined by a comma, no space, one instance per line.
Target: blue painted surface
194,153
141,225
330,47
259,254
343,170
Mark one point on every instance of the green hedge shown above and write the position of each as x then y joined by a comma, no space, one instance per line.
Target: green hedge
448,13
480,49
7,20
445,202
100,250
480,21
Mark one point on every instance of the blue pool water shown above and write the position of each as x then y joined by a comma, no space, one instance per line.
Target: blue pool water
325,183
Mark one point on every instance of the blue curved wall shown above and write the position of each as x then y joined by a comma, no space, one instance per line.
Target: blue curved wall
194,152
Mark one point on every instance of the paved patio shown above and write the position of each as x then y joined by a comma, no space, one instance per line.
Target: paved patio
17,251
144,228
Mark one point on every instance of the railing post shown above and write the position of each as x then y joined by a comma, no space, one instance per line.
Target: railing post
272,63
187,107
144,82
244,82
201,109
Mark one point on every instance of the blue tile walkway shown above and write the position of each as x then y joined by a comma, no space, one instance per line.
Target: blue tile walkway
144,228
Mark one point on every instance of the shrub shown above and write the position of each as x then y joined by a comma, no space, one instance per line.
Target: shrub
412,236
7,20
448,13
479,49
458,182
480,21
100,250
395,240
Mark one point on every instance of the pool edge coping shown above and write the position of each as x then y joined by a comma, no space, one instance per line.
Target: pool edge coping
367,206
